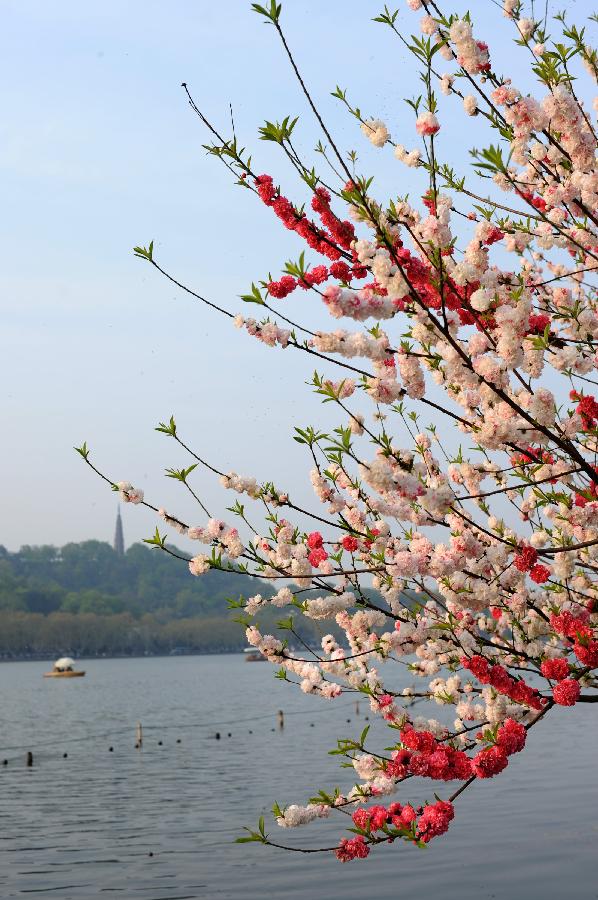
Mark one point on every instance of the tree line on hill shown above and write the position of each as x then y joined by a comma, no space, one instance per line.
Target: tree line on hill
33,635
90,577
85,599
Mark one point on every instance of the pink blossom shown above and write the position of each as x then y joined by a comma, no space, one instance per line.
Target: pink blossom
427,124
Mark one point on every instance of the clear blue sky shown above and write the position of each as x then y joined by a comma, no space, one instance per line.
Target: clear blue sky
99,152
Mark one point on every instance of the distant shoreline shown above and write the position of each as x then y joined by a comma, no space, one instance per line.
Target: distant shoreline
48,657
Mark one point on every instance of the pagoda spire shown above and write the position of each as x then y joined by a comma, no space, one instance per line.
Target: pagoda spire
119,538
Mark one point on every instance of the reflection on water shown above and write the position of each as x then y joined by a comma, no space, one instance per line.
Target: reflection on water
158,824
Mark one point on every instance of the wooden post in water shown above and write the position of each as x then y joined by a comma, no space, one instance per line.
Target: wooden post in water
280,718
29,758
357,707
139,736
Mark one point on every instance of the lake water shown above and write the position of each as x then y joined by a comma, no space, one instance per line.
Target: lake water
158,824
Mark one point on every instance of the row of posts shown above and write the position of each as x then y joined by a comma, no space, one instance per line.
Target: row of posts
139,736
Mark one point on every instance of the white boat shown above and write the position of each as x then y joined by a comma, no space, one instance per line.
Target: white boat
64,668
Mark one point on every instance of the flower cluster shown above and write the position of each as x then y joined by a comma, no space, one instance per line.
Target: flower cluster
497,676
423,755
472,55
219,533
128,494
581,633
397,820
294,816
323,240
510,739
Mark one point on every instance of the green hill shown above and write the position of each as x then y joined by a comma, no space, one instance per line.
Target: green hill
91,578
85,599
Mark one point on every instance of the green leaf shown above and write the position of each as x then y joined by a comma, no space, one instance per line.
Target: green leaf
157,540
272,14
387,17
145,252
169,428
254,297
180,474
82,450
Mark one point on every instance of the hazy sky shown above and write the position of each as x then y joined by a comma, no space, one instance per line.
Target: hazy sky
100,152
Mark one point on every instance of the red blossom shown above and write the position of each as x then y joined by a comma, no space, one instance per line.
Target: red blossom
493,236
538,323
282,288
317,275
587,653
428,201
401,816
314,540
341,271
429,759
511,736
499,678
434,820
265,189
525,558
556,669
571,626
350,543
566,693
587,407
378,817
361,818
537,202
490,762
533,455
369,541
371,818
320,200
418,740
355,848
325,242
398,767
539,574
317,556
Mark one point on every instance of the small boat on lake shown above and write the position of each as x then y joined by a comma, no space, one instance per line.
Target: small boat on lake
64,668
252,654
